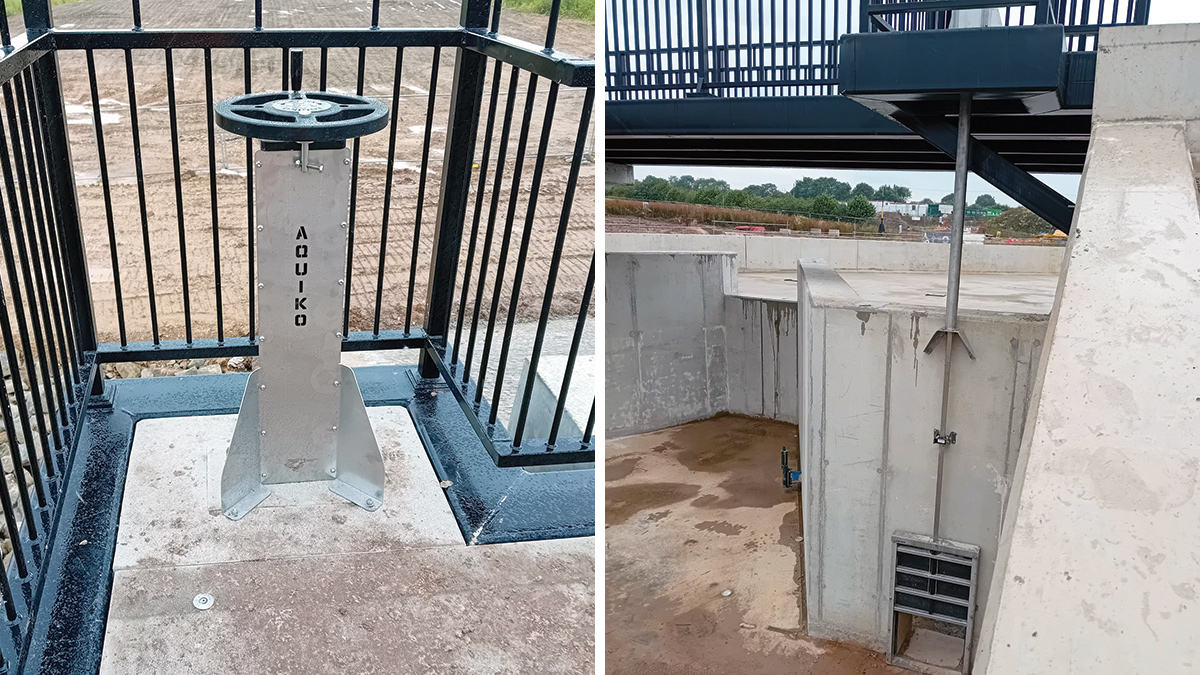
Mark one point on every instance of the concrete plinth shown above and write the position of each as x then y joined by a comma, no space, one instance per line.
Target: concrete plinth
309,583
1098,571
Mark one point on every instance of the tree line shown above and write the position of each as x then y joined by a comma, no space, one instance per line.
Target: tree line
823,197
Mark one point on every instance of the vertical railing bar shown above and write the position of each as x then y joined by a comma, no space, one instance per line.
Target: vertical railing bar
70,248
812,71
52,186
362,56
141,184
187,301
22,324
555,259
552,24
659,72
137,14
283,70
591,423
501,262
412,268
10,429
58,295
210,115
497,185
375,14
576,339
10,519
251,286
31,261
387,190
495,26
258,15
523,250
112,232
324,68
479,192
5,33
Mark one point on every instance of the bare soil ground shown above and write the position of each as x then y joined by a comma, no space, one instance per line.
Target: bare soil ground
692,512
229,225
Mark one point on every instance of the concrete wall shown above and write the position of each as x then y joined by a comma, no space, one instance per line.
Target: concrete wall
665,339
1099,571
780,252
681,345
761,353
870,400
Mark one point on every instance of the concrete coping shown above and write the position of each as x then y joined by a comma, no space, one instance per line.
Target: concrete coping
672,253
826,288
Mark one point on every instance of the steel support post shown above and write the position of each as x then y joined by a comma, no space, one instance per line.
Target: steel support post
62,186
465,103
942,435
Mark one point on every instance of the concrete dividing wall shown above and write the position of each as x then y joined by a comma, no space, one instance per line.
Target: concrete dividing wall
780,252
1099,570
761,357
665,338
870,400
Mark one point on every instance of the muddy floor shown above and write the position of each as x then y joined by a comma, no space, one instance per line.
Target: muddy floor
704,557
216,240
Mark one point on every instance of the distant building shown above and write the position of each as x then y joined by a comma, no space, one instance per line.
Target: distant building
903,208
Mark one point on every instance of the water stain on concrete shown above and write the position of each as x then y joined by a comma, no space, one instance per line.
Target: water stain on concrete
620,468
720,527
623,501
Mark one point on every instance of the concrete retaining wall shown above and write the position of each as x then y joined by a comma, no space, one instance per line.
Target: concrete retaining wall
782,251
870,400
1099,558
665,339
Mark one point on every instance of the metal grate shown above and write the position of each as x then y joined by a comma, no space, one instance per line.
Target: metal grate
934,579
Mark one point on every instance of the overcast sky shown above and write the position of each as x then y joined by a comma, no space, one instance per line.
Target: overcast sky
931,184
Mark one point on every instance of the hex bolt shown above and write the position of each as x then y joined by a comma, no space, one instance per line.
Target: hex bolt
258,164
341,282
263,432
332,471
260,228
264,475
260,285
370,503
233,513
262,386
343,224
336,383
335,427
346,161
338,334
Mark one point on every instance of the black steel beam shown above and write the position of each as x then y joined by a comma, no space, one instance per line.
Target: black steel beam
990,166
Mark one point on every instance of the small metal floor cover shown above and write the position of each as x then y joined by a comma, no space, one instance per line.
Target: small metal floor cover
934,584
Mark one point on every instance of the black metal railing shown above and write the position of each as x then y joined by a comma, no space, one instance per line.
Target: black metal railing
658,49
127,225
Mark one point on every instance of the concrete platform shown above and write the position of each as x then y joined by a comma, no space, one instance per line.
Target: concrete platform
1019,293
309,583
693,511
